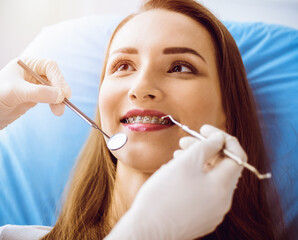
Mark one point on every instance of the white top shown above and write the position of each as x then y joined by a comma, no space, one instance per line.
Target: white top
14,232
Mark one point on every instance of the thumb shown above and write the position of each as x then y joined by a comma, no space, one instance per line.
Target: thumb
42,93
57,109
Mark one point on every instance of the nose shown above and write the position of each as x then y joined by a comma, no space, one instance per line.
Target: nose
145,88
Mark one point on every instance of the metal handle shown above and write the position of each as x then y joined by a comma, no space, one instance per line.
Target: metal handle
65,101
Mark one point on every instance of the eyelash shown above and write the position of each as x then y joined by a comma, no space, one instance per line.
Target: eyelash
117,63
192,69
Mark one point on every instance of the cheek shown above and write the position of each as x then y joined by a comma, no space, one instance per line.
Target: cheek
103,101
202,106
108,101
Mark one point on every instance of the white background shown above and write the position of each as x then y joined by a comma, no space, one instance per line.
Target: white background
22,20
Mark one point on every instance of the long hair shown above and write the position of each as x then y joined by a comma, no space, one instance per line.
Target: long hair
86,211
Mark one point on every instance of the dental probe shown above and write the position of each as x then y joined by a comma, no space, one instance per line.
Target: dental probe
114,142
226,152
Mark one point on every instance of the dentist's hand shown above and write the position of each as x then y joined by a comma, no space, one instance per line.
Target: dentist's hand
20,92
189,196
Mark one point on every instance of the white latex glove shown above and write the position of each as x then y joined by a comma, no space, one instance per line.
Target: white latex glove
20,92
184,200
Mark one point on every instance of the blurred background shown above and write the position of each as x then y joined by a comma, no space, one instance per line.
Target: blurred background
22,20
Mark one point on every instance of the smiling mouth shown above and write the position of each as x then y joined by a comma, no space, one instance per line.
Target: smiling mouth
146,120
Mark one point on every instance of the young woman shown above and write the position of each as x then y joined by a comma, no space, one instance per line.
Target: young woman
172,57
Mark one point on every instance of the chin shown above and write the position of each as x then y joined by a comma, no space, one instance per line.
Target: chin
145,159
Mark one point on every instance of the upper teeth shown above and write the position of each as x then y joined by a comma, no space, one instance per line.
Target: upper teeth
147,119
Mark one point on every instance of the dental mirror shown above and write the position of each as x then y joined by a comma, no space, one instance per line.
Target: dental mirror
117,141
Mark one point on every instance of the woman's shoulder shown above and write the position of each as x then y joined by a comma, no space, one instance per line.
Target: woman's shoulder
15,232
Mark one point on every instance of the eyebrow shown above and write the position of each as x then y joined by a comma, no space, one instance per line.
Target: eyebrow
177,50
128,50
169,50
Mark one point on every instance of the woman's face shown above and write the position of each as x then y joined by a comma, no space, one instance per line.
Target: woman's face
160,62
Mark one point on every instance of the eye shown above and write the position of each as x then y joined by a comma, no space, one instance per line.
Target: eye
124,67
182,67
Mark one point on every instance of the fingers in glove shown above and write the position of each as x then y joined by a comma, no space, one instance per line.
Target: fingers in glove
202,151
213,144
177,153
185,142
228,167
51,71
206,130
41,93
231,143
212,162
58,109
227,170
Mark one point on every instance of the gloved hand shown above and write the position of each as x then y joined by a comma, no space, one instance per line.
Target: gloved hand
189,196
20,92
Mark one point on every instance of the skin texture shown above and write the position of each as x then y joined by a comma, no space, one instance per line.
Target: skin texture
140,75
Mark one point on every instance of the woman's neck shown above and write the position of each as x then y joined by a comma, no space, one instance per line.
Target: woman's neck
127,184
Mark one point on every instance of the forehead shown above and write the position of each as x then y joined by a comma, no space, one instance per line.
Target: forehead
162,28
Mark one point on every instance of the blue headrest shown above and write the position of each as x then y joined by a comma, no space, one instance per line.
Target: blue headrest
38,151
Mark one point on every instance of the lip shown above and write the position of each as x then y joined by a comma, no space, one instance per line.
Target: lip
144,127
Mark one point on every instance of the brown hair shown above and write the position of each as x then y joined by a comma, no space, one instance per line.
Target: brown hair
86,212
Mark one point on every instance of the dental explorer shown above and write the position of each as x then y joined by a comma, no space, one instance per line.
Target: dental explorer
114,142
225,151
